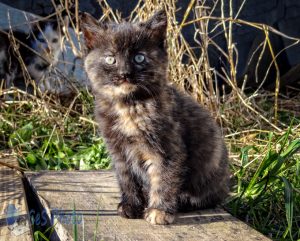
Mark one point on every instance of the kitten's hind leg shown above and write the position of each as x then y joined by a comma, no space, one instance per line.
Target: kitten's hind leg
188,203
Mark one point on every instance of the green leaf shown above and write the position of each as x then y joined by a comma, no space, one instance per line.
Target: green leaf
61,154
21,135
266,162
244,155
289,204
291,149
43,164
31,159
38,234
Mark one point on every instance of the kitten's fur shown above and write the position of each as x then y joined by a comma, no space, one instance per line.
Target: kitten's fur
167,151
44,38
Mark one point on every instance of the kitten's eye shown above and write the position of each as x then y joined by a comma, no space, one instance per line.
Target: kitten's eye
55,40
139,58
110,60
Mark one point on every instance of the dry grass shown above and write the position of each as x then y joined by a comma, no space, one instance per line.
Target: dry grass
197,76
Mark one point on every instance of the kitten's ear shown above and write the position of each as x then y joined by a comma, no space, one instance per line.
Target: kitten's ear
157,24
90,28
32,21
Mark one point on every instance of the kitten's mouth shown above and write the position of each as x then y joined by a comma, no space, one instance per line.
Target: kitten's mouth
123,87
125,81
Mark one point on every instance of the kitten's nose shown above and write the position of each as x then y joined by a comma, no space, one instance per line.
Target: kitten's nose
124,73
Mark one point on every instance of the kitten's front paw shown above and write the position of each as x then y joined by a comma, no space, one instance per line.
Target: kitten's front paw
126,210
156,216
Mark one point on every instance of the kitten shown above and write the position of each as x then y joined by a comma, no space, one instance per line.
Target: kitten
44,38
167,151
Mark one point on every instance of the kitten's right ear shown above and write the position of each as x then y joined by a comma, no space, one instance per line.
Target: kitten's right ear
157,26
90,28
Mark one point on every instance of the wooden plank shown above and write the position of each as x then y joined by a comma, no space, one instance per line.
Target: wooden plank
14,217
95,195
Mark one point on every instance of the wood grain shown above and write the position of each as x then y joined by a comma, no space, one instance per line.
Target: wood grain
12,197
95,194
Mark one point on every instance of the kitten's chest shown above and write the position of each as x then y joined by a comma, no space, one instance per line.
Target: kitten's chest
133,120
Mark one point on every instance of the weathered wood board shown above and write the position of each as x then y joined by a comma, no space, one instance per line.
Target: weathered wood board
95,195
14,217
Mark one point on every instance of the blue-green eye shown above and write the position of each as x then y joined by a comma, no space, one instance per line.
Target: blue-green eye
139,58
110,60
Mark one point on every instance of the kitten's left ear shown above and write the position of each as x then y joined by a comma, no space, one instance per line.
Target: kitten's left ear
157,24
90,28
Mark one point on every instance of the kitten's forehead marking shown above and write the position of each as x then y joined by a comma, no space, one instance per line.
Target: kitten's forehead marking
125,36
49,32
47,42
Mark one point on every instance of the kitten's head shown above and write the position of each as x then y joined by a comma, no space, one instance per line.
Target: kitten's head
126,60
46,39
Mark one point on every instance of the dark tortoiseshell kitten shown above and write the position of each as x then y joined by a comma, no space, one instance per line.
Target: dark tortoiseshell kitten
167,151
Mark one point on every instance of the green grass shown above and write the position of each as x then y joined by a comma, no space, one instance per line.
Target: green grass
266,193
75,226
43,236
52,140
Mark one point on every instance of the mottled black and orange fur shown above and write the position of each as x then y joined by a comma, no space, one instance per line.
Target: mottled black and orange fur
167,151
